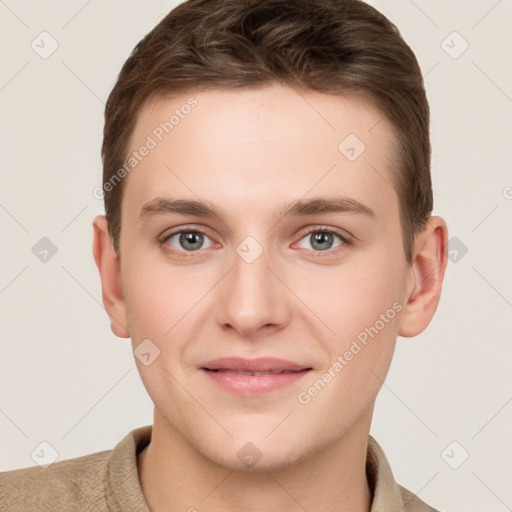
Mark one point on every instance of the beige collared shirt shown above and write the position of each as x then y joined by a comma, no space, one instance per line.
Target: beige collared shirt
108,481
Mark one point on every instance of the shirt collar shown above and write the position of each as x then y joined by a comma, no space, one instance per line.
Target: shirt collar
385,491
124,492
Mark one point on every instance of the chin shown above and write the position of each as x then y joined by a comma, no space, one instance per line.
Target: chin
253,452
274,462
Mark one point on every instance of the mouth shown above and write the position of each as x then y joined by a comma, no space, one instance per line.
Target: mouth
270,372
249,377
264,365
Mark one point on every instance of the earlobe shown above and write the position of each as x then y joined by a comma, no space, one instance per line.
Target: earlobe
427,273
110,273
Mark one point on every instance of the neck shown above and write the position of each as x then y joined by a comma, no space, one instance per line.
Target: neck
176,477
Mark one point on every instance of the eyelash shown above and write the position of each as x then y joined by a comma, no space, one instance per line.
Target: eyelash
347,242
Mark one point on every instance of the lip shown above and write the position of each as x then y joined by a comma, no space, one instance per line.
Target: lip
221,371
260,364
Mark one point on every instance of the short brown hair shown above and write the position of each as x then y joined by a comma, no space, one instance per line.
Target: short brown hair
329,46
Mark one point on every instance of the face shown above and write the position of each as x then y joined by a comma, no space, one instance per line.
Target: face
301,260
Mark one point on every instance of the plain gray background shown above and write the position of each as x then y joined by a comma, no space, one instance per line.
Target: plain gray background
67,380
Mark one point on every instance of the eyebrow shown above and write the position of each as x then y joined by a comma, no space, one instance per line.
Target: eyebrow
299,208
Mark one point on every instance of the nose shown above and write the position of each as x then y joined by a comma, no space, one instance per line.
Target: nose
253,298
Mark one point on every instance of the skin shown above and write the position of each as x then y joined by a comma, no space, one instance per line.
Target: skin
250,152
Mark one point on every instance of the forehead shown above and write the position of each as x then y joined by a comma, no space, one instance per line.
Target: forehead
240,146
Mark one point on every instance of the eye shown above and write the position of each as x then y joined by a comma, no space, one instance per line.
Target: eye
321,240
186,241
191,241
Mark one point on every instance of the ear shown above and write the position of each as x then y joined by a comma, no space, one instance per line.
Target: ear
109,267
426,278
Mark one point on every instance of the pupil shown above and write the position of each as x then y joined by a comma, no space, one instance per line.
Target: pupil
191,238
322,238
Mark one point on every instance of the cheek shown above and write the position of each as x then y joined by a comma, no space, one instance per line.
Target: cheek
368,326
352,296
166,303
364,317
156,296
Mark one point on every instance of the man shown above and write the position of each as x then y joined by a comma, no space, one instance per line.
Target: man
268,235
